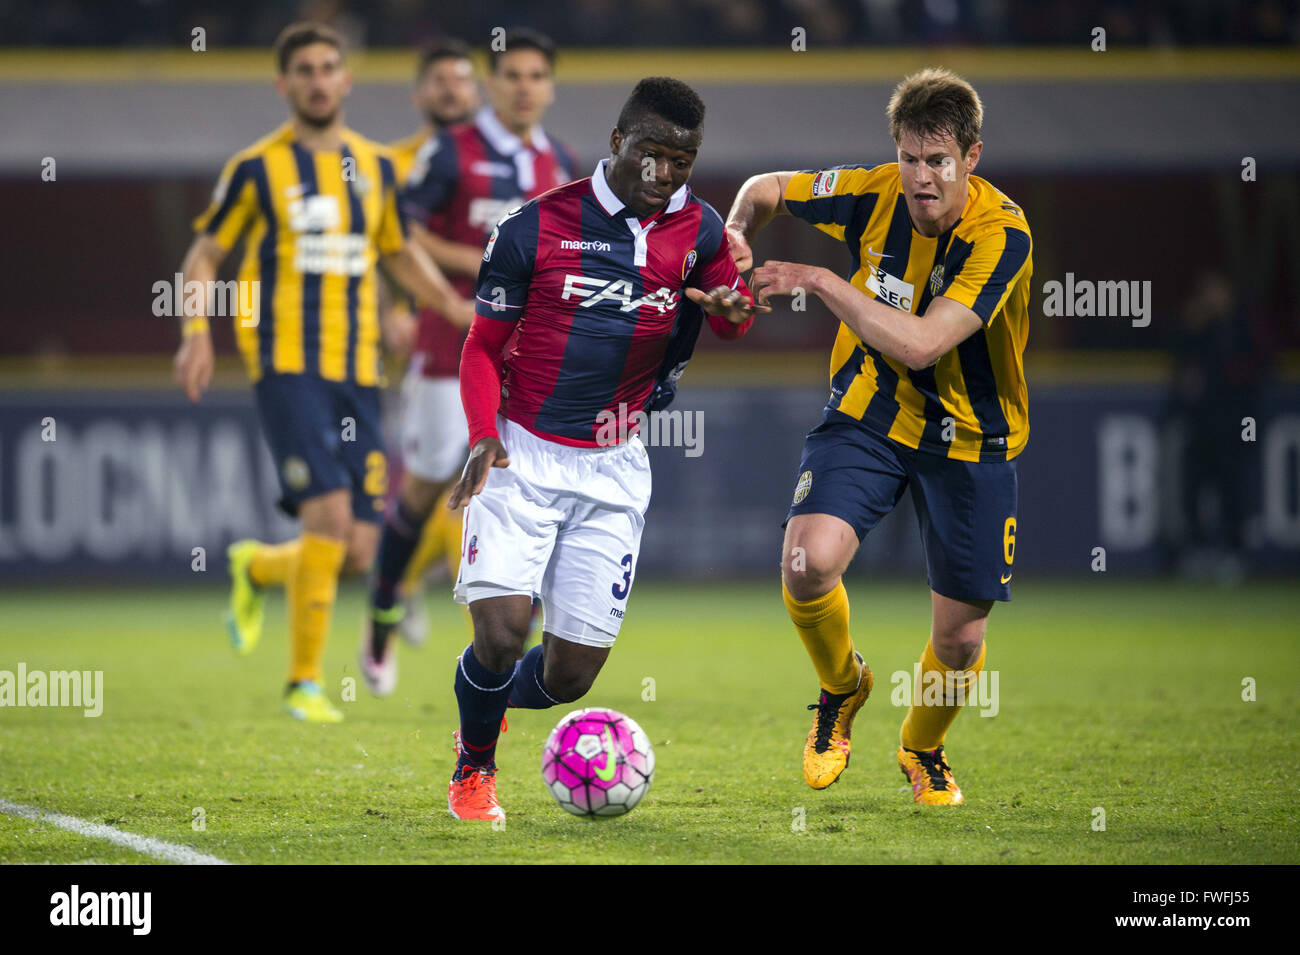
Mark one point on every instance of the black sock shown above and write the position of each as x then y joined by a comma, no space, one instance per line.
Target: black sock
400,537
529,688
481,696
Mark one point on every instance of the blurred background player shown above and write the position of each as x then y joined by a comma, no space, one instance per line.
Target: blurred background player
462,182
586,283
927,391
446,94
319,205
1221,363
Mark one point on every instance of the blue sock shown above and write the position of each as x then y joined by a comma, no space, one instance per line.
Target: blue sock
481,695
396,545
529,688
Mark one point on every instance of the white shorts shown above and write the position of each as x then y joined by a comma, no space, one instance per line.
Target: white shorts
561,523
435,435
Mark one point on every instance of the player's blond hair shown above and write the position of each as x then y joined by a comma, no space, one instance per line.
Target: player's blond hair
936,102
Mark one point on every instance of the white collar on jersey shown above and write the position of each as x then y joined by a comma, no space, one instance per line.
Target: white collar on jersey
612,204
504,141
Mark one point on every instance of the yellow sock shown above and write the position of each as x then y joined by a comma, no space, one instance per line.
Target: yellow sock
270,565
432,546
313,585
934,705
823,625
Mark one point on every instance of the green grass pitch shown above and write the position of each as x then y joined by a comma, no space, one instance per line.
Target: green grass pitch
1115,696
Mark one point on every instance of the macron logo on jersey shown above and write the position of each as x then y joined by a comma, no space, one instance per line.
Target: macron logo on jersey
593,291
585,246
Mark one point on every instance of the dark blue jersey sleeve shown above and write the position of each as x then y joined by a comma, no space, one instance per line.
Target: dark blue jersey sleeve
508,262
712,268
686,332
433,179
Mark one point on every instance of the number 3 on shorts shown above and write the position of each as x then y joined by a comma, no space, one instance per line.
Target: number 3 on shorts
620,590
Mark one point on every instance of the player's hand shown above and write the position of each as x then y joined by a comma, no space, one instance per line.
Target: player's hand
741,253
727,302
781,278
487,454
192,367
400,329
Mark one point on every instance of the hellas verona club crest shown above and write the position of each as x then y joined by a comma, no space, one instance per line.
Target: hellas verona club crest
936,280
803,487
296,473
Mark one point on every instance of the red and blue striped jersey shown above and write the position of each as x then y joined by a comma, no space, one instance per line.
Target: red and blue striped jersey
460,183
596,294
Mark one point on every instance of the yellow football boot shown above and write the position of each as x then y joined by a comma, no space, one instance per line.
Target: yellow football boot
306,701
826,751
247,600
930,776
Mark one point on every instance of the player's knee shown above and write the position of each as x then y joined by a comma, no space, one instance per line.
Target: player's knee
498,644
329,515
419,496
360,558
810,571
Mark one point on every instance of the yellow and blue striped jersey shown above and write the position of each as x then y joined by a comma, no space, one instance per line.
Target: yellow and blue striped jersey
972,405
316,223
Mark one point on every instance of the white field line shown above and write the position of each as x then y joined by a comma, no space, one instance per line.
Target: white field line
167,851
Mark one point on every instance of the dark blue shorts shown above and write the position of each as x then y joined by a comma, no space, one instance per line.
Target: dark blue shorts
324,435
966,510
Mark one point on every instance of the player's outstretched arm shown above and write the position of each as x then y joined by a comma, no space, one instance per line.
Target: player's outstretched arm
759,200
729,303
412,269
918,341
192,366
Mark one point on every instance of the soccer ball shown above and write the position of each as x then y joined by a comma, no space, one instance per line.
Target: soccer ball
598,762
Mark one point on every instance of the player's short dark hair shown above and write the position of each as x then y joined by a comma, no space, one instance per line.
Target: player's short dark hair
522,38
936,102
449,48
663,96
304,33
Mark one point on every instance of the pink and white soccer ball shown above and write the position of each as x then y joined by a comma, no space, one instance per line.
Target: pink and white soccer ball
598,762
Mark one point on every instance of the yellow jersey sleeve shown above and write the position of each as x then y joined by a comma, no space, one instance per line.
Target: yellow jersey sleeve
233,205
392,226
829,198
990,271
